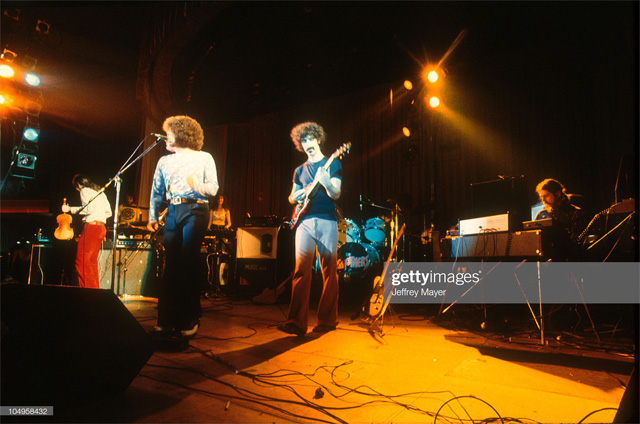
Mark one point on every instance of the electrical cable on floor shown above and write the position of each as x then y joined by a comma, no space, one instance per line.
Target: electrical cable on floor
463,397
305,402
328,390
249,326
593,412
228,396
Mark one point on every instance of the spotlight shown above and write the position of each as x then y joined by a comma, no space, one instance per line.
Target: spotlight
406,132
6,71
32,79
31,133
26,160
434,102
8,55
408,85
432,76
42,27
6,99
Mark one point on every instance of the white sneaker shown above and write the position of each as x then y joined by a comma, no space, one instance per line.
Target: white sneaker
190,332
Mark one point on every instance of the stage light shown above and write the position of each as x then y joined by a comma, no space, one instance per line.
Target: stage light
434,102
5,99
42,27
6,71
32,79
26,160
31,133
408,85
406,132
8,55
432,76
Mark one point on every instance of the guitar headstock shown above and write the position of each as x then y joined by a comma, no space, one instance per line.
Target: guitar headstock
342,150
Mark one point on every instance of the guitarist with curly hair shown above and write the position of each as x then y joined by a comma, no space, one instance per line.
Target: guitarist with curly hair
316,186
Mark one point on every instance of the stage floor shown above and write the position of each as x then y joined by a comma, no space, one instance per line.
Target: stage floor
421,367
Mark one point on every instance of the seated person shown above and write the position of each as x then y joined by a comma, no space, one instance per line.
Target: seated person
567,219
219,216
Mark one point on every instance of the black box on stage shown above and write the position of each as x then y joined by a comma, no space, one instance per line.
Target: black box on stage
136,271
253,275
67,346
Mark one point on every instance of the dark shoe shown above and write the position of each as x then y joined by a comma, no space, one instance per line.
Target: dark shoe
291,328
160,331
323,328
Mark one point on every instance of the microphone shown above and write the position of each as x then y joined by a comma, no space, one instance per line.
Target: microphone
160,136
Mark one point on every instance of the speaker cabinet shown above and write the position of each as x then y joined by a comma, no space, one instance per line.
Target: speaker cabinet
137,271
67,346
258,273
257,243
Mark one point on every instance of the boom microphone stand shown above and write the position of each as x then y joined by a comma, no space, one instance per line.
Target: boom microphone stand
116,178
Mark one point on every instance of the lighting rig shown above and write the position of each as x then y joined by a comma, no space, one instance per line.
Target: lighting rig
20,98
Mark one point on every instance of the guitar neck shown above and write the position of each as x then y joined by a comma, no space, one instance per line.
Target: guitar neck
395,243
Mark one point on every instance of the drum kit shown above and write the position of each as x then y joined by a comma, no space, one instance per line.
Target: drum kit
362,248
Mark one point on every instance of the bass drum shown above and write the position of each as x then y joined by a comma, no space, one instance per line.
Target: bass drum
357,260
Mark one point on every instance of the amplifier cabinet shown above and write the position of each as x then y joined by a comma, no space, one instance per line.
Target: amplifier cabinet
257,243
527,244
136,271
253,275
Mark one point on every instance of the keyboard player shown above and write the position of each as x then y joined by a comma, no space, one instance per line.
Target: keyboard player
219,217
567,220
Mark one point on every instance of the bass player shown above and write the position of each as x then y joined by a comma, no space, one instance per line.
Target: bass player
317,187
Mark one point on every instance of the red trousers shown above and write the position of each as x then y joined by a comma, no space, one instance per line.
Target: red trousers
89,245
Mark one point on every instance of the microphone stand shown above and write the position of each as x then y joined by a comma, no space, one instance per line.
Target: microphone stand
117,180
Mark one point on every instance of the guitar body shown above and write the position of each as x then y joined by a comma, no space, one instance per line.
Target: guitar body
377,305
302,207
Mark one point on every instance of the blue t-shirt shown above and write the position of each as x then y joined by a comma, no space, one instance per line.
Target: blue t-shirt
321,205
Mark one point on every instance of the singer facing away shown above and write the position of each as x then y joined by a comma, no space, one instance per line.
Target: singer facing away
186,178
317,229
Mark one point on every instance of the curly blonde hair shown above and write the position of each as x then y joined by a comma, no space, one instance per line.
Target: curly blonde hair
187,130
306,129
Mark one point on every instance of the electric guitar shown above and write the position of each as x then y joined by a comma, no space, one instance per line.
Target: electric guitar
303,206
377,305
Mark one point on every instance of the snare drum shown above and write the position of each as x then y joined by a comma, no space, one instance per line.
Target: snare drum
374,231
355,260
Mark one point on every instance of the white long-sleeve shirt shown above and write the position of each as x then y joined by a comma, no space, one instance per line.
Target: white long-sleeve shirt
171,178
98,210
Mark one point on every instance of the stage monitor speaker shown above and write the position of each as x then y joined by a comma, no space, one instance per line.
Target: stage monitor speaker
67,346
257,243
137,271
